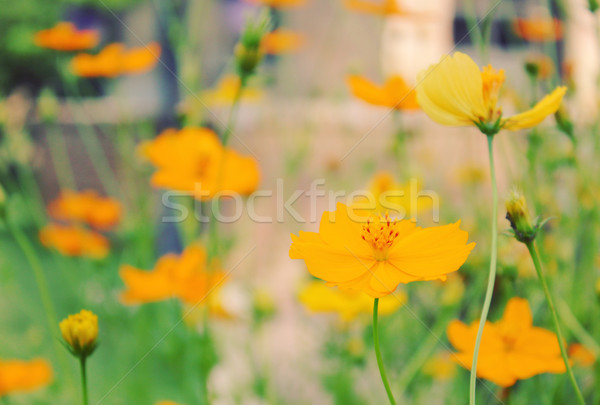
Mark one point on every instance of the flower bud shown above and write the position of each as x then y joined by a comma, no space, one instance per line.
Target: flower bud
248,54
564,122
518,215
80,332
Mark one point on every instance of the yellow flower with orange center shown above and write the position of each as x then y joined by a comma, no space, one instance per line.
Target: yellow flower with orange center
317,297
86,207
189,277
65,36
394,93
22,376
379,7
511,349
455,92
539,29
73,240
377,254
114,60
278,3
194,160
281,41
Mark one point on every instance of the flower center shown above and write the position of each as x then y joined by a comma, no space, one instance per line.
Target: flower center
380,232
492,83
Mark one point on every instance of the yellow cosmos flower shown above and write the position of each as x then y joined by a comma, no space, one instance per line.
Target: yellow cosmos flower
80,331
226,90
317,297
189,277
114,60
390,196
511,349
65,36
73,240
86,207
194,160
22,376
394,93
455,92
377,254
281,41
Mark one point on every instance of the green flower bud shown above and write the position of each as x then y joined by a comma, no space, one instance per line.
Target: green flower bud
248,54
518,215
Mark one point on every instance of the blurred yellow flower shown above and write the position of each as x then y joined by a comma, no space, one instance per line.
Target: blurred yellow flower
278,3
86,207
281,41
317,297
376,254
581,355
226,90
440,366
394,93
64,36
539,29
453,290
73,240
189,277
401,200
114,60
80,331
21,376
194,160
511,349
455,92
380,7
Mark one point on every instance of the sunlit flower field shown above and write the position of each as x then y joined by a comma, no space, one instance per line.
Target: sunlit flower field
337,202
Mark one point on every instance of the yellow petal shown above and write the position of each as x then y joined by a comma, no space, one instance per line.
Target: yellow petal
545,107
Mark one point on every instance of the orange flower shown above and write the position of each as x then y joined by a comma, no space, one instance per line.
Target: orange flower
74,241
64,36
194,160
189,277
511,349
377,254
114,60
539,29
581,355
281,41
225,92
19,375
277,3
383,7
394,93
86,207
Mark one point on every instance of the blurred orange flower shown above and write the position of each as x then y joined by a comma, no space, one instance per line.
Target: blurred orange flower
581,355
73,240
19,376
64,36
317,297
511,349
539,29
281,41
380,7
440,366
189,277
277,3
114,60
374,255
86,207
394,93
194,160
226,90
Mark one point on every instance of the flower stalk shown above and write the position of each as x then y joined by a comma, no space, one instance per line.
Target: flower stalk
382,372
84,390
492,272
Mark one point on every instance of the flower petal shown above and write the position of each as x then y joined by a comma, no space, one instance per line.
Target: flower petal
545,107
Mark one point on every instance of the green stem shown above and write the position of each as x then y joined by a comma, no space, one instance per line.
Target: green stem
563,351
576,328
492,273
84,390
384,378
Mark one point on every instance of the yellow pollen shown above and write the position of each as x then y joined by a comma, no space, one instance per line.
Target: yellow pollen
492,83
380,233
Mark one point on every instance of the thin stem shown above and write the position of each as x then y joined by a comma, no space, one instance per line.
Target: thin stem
384,378
492,273
84,390
576,328
563,351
